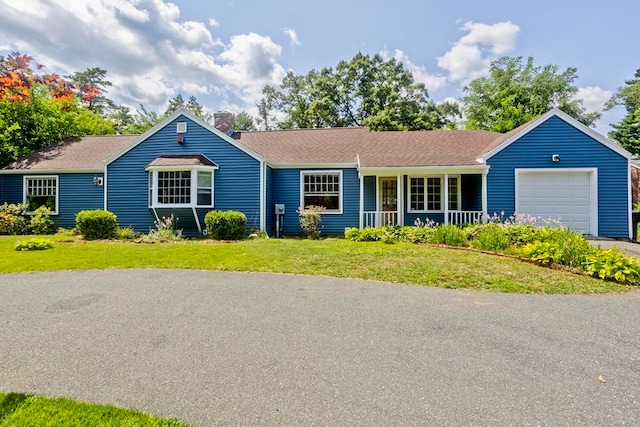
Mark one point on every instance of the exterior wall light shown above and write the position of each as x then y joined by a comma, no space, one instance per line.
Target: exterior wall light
555,158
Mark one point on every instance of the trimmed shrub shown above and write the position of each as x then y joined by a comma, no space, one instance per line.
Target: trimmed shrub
310,218
41,222
97,224
226,225
34,245
11,219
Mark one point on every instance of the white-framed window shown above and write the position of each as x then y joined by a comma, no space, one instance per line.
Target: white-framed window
321,188
426,193
41,190
181,187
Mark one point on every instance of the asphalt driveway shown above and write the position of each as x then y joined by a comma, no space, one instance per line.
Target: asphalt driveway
216,348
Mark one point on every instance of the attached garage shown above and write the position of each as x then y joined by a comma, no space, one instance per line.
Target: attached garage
566,195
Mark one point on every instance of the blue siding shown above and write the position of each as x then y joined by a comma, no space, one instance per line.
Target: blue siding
236,182
286,189
370,203
577,150
11,189
76,192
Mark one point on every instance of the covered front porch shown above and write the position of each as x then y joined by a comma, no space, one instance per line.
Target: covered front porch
443,195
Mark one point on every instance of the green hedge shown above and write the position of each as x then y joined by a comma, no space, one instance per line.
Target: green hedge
226,225
97,224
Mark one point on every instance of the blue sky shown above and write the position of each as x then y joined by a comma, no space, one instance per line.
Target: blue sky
224,52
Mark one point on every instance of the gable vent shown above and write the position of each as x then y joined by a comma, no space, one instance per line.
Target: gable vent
182,127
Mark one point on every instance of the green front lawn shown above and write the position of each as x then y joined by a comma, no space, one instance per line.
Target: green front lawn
402,262
22,410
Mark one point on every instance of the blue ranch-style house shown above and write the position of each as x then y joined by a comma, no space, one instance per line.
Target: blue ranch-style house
552,167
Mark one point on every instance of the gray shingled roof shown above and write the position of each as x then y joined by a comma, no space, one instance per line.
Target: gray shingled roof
375,149
182,160
300,146
87,152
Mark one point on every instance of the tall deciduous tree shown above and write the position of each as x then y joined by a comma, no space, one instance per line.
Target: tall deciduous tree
627,131
17,78
39,109
42,121
143,120
515,92
192,105
365,91
91,85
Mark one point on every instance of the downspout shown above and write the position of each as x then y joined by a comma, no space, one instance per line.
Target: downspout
400,201
446,198
485,214
104,188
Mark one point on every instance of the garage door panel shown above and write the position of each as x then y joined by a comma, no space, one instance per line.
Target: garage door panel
564,196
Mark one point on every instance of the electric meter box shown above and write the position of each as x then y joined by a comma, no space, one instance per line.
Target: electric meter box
280,209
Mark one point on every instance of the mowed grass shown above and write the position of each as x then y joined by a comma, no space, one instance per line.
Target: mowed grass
22,410
401,263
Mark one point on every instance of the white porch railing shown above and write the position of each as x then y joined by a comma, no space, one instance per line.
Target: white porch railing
379,218
465,217
383,218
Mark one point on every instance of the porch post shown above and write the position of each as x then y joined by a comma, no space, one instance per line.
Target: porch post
399,202
446,198
361,199
484,196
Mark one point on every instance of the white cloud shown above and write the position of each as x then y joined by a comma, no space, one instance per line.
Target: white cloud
420,74
213,23
500,37
129,10
251,62
593,98
150,54
471,56
293,37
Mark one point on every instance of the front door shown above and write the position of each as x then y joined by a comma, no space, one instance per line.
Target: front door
389,201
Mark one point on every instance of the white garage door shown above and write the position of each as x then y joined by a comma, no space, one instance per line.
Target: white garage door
565,196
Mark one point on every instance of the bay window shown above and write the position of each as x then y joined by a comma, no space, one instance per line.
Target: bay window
181,187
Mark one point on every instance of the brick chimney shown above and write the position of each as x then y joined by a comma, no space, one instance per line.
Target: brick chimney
223,121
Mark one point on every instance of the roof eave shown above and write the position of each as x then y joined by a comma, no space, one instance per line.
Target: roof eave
320,165
377,170
50,171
